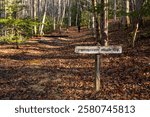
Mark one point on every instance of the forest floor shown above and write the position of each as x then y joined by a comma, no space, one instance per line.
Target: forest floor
48,68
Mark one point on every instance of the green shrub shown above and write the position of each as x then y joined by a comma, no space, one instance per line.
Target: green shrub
48,26
84,18
10,38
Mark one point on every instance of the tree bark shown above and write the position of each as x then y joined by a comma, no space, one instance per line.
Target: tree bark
54,15
59,11
39,14
96,24
34,15
138,7
104,22
44,17
69,13
79,15
138,19
97,57
63,15
125,18
115,10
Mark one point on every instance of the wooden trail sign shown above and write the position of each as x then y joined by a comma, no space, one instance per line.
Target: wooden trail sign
98,50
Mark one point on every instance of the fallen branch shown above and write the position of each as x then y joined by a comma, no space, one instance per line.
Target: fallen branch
135,33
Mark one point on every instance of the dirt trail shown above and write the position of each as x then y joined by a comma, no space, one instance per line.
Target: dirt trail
48,68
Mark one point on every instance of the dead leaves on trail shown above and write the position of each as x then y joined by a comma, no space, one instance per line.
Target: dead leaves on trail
48,68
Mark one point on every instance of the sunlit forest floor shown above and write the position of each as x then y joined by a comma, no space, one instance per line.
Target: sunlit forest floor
48,68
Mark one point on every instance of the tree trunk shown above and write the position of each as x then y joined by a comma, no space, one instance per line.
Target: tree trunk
69,13
34,15
59,11
139,4
104,22
115,10
63,15
125,18
134,34
97,57
39,14
96,25
16,31
44,17
79,15
3,15
54,17
132,9
138,19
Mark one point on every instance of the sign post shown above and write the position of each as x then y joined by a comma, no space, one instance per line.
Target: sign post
97,72
98,50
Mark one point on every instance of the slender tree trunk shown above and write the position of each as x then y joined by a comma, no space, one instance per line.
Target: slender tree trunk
97,57
63,15
22,15
134,34
89,16
59,11
132,9
127,11
3,15
69,13
79,15
30,8
139,4
93,26
96,24
125,18
16,38
115,10
44,17
54,15
138,19
34,15
39,14
104,23
16,32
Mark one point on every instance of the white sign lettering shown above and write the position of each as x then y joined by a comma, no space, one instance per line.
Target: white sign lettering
98,49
